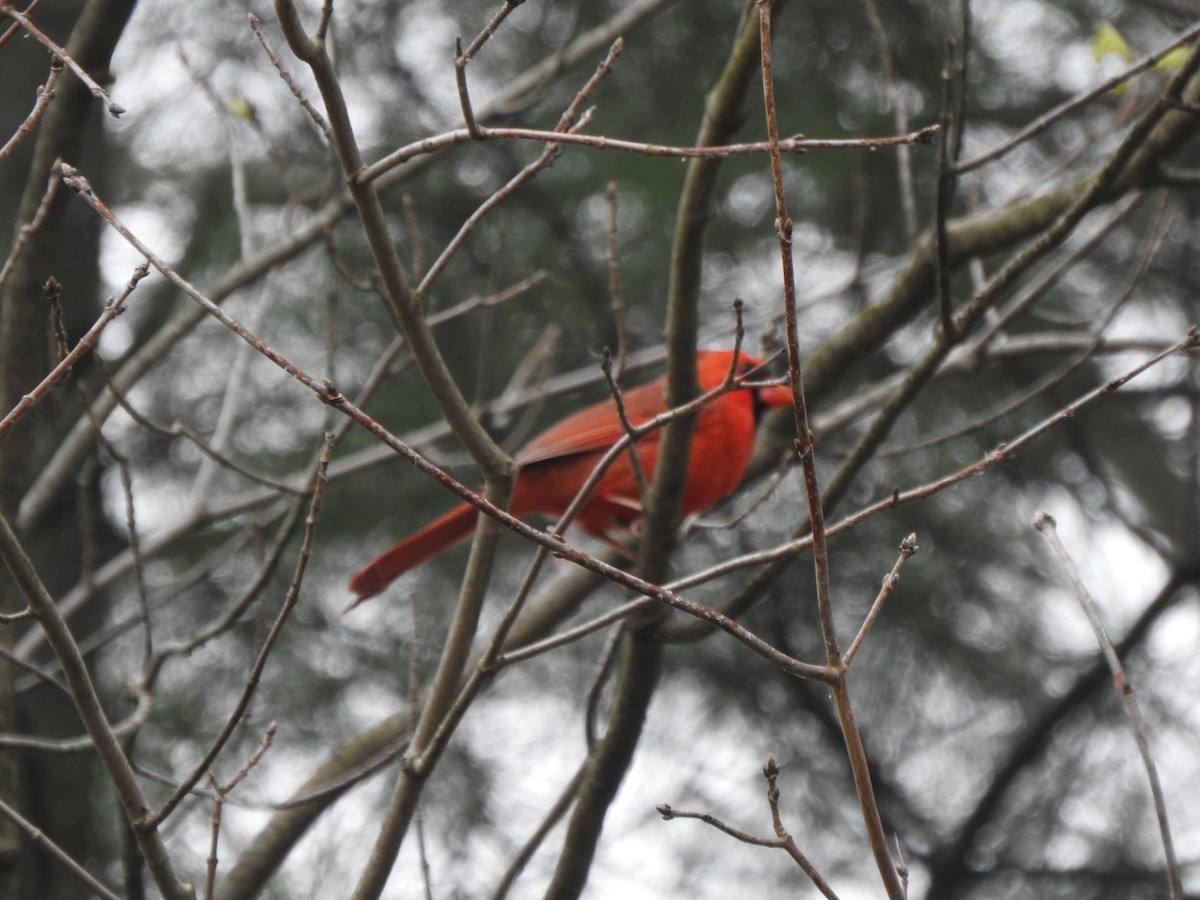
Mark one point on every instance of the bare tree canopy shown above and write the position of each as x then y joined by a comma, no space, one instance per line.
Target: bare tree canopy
897,595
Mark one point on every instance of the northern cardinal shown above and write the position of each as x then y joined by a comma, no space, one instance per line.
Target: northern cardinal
555,464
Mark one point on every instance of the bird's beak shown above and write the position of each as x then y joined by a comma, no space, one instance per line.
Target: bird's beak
777,395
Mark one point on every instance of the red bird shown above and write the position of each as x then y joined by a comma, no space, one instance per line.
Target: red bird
555,464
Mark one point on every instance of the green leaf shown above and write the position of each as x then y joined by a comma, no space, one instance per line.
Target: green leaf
1109,40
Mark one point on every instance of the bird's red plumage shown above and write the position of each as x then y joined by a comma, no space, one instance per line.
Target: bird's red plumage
555,464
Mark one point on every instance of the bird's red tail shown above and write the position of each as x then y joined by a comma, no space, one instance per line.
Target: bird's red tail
438,536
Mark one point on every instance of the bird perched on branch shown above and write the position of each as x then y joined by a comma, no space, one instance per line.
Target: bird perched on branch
554,466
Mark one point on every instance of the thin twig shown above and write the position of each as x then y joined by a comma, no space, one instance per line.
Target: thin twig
1045,281
771,774
172,592
670,813
553,815
123,729
595,694
1046,525
907,548
423,855
112,308
562,638
488,30
114,109
803,433
852,738
615,291
958,115
45,94
323,22
39,839
795,144
292,85
222,791
531,85
412,225
619,402
133,537
944,199
964,361
40,675
904,167
464,95
30,228
233,396
80,185
782,840
11,31
52,291
117,568
494,200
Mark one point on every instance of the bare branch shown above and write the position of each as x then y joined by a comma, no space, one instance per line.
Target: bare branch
614,282
1046,525
30,228
44,95
904,166
112,308
771,774
222,791
796,144
39,839
782,840
115,110
855,749
907,548
297,92
87,702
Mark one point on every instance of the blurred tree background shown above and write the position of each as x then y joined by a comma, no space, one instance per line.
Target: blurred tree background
161,489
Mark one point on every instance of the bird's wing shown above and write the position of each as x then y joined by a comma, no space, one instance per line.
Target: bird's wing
595,428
